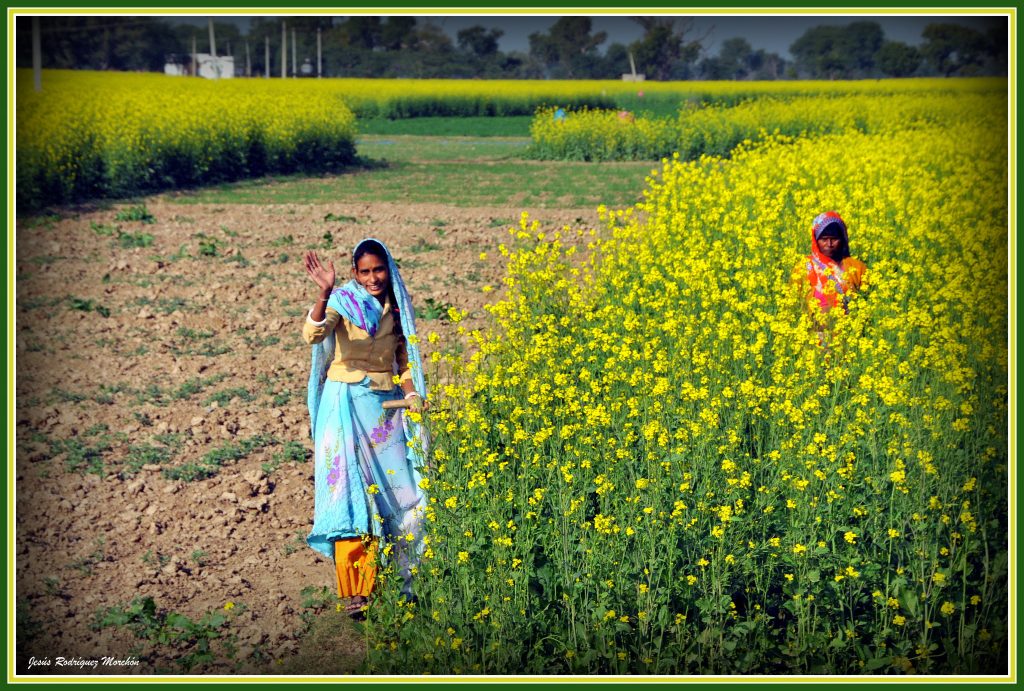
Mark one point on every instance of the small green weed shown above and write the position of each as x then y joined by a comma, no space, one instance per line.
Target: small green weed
182,253
103,229
157,396
283,241
85,564
191,642
129,241
144,454
222,398
165,305
291,452
314,601
67,396
237,258
81,457
433,309
192,334
53,587
135,213
211,463
96,430
423,246
208,246
83,305
195,385
46,220
297,542
172,439
261,341
339,218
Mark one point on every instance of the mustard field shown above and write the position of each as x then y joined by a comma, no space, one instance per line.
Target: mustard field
91,135
656,464
717,128
104,134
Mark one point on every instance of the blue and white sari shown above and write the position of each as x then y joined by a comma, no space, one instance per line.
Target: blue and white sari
367,458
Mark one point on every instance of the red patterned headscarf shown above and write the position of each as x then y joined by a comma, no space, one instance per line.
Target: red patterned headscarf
821,269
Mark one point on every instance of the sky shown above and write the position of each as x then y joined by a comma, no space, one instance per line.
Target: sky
773,33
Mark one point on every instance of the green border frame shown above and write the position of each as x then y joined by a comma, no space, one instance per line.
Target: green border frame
600,7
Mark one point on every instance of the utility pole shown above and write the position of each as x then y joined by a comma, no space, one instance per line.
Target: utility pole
213,51
37,55
295,67
284,50
248,62
319,63
266,57
195,72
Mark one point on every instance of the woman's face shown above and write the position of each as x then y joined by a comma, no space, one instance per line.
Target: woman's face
830,245
371,272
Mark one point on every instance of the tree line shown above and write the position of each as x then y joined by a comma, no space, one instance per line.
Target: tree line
368,46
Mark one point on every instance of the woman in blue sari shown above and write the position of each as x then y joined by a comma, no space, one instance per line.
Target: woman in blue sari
367,480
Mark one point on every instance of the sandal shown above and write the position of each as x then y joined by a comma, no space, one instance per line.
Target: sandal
356,608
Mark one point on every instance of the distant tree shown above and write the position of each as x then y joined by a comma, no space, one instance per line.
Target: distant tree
736,56
952,48
98,42
479,41
228,37
995,39
568,49
430,38
736,59
518,65
767,66
822,52
666,48
398,33
361,31
616,60
896,59
861,41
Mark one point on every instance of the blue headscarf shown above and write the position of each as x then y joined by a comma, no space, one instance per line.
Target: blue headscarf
354,303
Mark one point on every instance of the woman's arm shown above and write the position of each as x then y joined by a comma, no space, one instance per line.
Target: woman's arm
324,277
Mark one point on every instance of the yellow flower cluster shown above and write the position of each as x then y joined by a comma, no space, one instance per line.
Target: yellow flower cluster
717,128
815,489
90,134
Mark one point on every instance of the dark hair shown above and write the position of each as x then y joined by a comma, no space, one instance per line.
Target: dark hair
377,250
832,228
369,247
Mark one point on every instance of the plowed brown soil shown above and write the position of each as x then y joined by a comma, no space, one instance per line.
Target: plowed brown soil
131,361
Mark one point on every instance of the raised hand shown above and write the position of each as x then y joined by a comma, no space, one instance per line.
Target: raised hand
322,275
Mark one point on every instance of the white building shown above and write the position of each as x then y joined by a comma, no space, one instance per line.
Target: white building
208,66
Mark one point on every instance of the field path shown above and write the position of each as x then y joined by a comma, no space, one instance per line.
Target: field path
132,360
